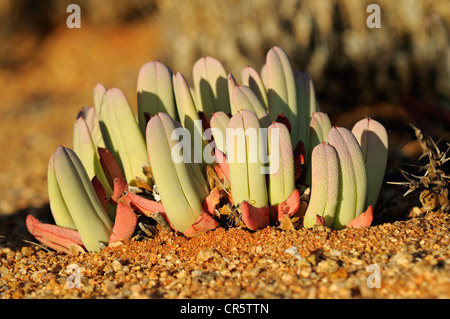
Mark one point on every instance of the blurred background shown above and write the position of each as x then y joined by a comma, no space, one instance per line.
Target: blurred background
397,74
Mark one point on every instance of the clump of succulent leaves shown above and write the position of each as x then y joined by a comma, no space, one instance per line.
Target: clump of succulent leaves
296,171
431,176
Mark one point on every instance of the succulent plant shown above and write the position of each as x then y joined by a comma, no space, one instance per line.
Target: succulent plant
79,211
221,153
183,181
352,207
353,185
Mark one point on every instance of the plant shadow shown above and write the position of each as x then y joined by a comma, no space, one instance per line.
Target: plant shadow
13,231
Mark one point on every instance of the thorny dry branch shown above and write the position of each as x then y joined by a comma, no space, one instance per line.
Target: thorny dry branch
435,181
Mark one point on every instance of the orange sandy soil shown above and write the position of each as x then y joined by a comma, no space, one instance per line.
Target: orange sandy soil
38,105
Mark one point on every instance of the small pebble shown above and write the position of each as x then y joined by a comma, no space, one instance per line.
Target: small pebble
116,265
327,266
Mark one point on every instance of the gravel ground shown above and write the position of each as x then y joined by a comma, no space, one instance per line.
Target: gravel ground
404,259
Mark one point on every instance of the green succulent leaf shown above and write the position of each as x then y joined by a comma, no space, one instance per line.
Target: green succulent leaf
89,115
188,113
325,185
319,127
244,98
103,121
219,122
281,177
99,94
128,141
174,180
155,92
307,105
373,139
84,147
244,151
252,79
78,195
264,79
353,183
210,86
232,84
58,207
281,90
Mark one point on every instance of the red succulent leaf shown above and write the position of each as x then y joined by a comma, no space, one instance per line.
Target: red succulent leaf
120,190
140,204
320,220
101,193
284,120
363,220
211,201
220,173
203,223
143,205
147,117
124,224
289,207
110,165
206,123
221,160
253,217
56,237
299,159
